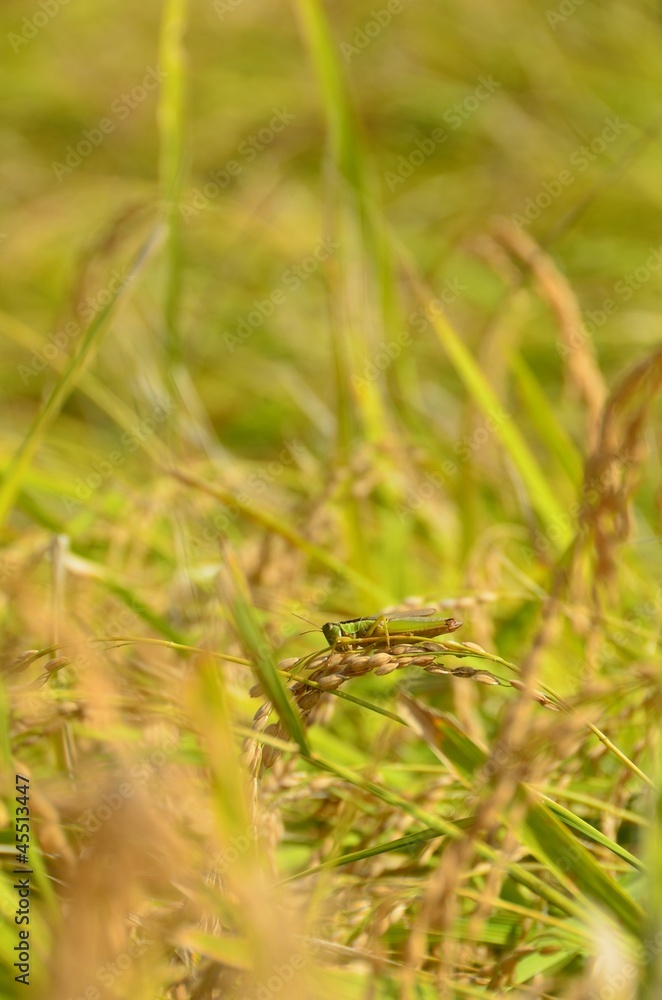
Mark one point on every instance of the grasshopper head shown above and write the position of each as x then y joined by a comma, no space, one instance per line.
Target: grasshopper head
331,632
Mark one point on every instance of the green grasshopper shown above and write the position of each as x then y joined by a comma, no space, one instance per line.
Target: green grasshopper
393,628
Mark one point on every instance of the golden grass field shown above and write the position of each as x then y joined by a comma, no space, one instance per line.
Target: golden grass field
326,313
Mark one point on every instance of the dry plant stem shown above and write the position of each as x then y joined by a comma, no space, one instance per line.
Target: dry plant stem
492,888
327,671
440,902
612,470
556,291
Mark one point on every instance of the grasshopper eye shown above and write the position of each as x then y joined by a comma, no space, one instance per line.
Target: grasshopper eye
331,632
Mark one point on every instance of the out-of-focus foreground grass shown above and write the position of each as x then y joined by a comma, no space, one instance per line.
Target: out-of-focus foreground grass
306,311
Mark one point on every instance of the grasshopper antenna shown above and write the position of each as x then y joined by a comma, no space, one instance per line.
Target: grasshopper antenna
315,628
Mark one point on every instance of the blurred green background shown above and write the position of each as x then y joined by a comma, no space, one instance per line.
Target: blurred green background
345,290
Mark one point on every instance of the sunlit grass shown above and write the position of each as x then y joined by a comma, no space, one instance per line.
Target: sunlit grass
358,309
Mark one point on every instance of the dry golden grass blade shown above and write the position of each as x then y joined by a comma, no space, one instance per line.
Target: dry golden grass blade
576,347
326,672
109,924
613,469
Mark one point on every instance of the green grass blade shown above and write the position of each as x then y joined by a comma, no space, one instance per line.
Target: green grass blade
259,650
553,844
64,386
151,618
88,384
401,844
590,833
540,411
229,950
342,132
171,127
541,494
451,829
548,839
357,218
6,760
282,528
